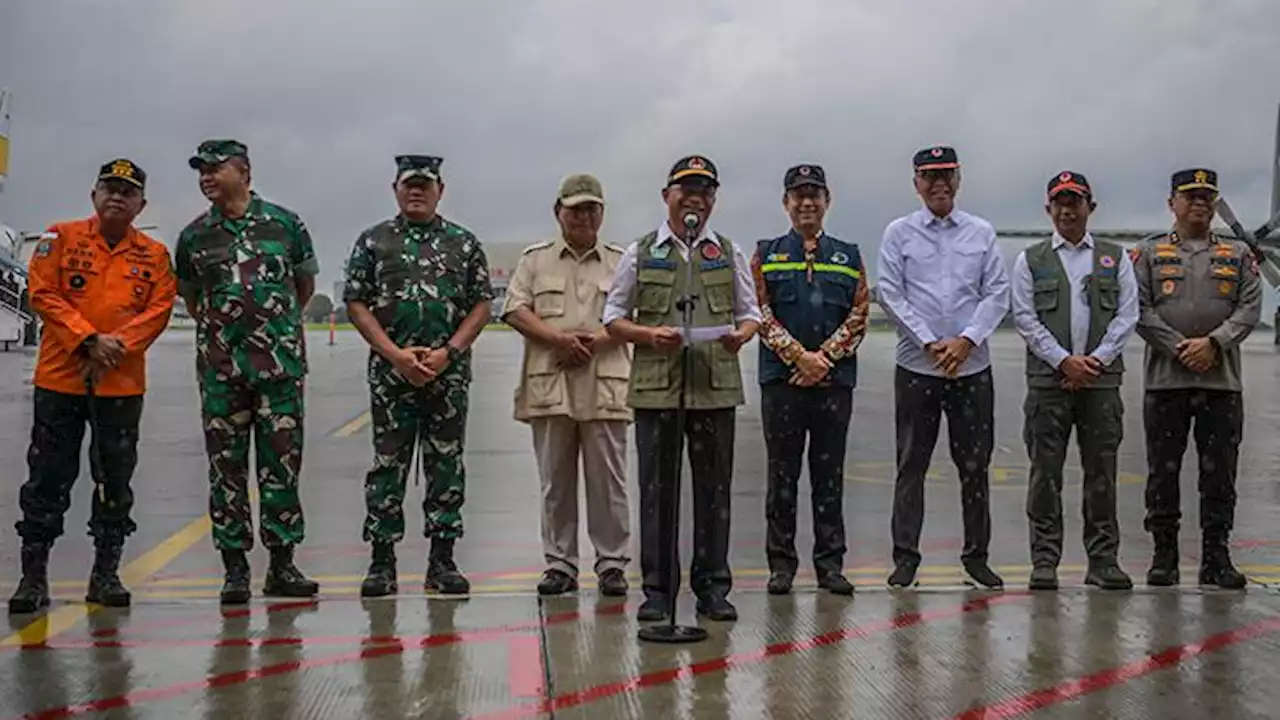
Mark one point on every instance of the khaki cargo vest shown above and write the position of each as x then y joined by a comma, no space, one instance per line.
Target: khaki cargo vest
1053,299
716,378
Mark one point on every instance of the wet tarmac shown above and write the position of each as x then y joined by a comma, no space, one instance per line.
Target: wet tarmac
941,650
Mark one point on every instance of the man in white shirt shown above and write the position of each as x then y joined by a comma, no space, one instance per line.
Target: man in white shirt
643,307
1075,303
943,283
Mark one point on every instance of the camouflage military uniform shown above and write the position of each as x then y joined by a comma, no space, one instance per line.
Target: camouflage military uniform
420,281
250,364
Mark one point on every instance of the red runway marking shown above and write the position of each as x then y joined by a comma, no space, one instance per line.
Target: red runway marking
525,669
137,697
670,675
1073,689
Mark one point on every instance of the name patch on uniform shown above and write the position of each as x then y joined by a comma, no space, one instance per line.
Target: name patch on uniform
1224,271
713,264
778,257
1166,270
658,264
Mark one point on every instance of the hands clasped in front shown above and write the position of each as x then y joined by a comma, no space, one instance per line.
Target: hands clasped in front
949,355
420,365
105,354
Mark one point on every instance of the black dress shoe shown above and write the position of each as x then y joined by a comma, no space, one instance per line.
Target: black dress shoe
780,583
836,583
613,582
1108,577
981,573
654,609
717,609
1043,577
903,575
556,582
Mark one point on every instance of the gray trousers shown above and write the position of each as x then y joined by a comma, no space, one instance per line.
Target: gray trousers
1098,417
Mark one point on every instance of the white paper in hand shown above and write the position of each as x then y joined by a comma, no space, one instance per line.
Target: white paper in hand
707,334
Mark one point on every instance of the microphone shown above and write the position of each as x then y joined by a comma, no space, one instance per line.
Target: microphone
691,220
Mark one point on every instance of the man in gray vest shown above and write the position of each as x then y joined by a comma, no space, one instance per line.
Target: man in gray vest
1075,303
643,307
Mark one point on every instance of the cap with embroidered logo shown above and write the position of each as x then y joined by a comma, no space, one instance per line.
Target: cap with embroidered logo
806,174
1194,179
123,169
1069,181
423,166
693,166
216,152
580,188
938,157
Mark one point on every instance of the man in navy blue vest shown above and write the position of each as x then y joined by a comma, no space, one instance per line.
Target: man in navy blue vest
813,295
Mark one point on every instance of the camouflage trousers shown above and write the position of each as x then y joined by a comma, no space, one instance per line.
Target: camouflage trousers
271,412
433,417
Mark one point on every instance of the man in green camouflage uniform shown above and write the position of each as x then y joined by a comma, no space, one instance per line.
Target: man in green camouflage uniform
1075,303
418,290
246,268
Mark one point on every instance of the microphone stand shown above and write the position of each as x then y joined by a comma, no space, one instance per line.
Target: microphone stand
671,633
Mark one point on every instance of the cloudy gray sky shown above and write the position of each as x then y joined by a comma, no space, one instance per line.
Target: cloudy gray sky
514,94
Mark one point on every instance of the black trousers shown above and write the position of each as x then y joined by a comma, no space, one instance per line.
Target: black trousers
53,464
1098,418
919,403
660,450
790,414
1219,425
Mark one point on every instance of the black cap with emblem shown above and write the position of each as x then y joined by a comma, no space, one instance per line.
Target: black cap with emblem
1194,179
1069,181
124,170
693,169
938,157
806,174
426,167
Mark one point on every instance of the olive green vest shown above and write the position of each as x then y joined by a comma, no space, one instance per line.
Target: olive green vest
716,379
1053,298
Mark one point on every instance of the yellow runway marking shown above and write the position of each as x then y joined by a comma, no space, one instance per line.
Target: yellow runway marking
62,619
353,425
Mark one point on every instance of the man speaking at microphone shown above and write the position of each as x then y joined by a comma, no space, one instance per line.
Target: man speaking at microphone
643,308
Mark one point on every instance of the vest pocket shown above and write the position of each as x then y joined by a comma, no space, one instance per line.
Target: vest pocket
544,381
725,373
1045,294
653,291
613,373
548,296
652,372
1108,294
718,285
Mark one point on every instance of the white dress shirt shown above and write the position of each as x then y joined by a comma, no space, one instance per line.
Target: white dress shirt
1077,261
618,303
940,278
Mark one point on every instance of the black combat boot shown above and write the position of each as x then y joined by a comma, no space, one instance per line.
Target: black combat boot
1164,564
284,579
235,586
105,587
381,579
1215,564
33,590
442,572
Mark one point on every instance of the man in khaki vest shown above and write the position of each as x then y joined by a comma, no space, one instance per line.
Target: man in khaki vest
644,308
573,389
1075,303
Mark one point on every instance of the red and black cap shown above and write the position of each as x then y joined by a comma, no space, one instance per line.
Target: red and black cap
1069,181
692,167
938,157
806,174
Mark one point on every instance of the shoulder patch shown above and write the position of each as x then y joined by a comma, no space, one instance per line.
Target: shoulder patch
537,246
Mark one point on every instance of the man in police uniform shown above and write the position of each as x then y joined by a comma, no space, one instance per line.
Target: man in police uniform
97,328
814,303
1200,298
573,389
1075,303
651,282
418,291
246,268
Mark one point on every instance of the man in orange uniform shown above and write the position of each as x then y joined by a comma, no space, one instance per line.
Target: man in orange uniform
105,292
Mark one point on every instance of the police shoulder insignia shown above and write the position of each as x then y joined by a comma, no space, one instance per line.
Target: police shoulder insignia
1135,252
537,246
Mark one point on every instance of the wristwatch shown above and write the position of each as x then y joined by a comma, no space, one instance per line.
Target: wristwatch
454,353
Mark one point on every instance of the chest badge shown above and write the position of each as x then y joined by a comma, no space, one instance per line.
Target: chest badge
1168,287
1107,261
710,251
1224,287
77,281
661,252
839,258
